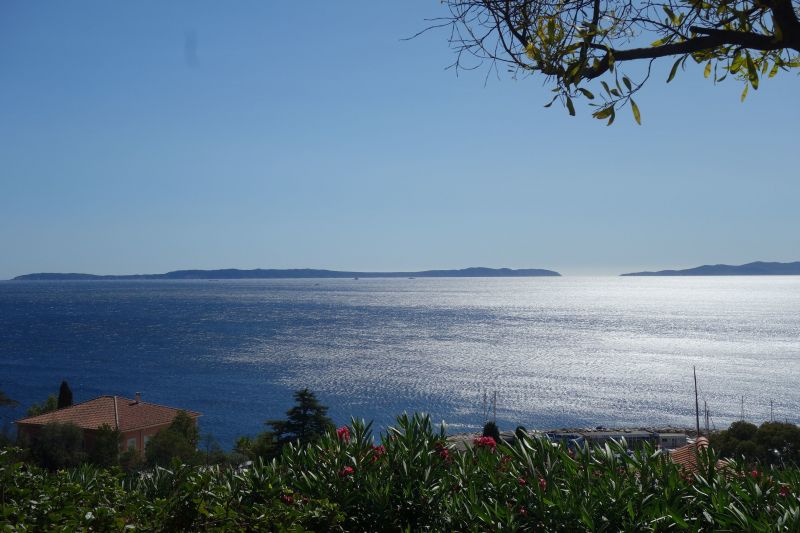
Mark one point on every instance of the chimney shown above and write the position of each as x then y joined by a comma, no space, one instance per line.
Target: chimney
138,397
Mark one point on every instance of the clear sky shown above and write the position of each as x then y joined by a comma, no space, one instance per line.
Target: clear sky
142,137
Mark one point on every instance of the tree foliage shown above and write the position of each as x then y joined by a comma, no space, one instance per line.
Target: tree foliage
578,44
64,395
178,441
57,446
50,404
104,451
305,422
771,443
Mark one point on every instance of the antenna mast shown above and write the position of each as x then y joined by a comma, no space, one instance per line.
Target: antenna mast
696,402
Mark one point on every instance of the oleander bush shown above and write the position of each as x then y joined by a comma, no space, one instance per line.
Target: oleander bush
410,479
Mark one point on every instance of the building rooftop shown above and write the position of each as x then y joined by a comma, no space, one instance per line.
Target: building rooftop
686,456
116,411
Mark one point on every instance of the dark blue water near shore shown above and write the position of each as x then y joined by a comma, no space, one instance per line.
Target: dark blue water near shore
558,351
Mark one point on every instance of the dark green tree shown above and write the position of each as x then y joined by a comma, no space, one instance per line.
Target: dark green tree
104,451
178,441
5,432
58,446
50,404
780,441
578,45
263,446
305,422
772,443
64,395
490,429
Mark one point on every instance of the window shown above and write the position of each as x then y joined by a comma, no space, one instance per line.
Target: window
132,443
147,439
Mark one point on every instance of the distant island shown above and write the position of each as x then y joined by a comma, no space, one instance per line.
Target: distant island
298,273
758,268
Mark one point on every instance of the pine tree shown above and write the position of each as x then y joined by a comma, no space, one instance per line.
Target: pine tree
305,422
64,395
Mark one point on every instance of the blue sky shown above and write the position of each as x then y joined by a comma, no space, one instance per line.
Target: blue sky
308,134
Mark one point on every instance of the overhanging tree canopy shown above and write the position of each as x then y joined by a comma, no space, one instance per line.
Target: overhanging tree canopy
573,43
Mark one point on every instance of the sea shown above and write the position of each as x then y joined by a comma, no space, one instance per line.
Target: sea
537,352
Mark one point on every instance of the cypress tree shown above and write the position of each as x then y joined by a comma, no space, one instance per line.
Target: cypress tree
64,395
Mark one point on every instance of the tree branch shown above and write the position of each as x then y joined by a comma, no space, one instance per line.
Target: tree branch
712,38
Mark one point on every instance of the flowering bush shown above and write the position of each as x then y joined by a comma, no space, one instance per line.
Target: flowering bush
343,433
485,442
410,479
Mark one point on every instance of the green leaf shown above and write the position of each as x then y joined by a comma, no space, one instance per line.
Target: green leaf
674,70
774,70
752,72
636,114
707,71
627,83
570,107
612,117
603,113
587,93
744,93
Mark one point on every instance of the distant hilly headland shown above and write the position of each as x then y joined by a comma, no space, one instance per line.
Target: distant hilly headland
298,273
757,268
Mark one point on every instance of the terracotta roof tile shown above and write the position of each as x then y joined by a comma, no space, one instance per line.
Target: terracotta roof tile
686,456
116,411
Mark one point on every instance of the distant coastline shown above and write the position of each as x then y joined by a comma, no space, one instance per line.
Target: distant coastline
295,273
757,268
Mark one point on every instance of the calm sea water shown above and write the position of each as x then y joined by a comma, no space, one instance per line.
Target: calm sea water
558,351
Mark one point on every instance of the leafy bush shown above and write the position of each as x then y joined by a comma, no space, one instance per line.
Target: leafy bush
104,449
178,441
57,446
410,479
772,443
490,429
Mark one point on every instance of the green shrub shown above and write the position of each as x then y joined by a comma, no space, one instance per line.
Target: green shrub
410,479
57,446
490,429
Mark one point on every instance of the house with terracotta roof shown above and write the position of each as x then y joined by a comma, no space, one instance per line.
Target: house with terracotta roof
137,421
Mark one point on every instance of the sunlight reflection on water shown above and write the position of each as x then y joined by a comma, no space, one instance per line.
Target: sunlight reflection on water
559,351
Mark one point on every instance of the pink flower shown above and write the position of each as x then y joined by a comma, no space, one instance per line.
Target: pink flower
378,452
785,490
288,499
754,474
346,471
485,442
523,511
343,433
542,484
522,481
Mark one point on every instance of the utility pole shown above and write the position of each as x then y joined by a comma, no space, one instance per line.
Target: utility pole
771,411
707,415
741,417
696,402
494,408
